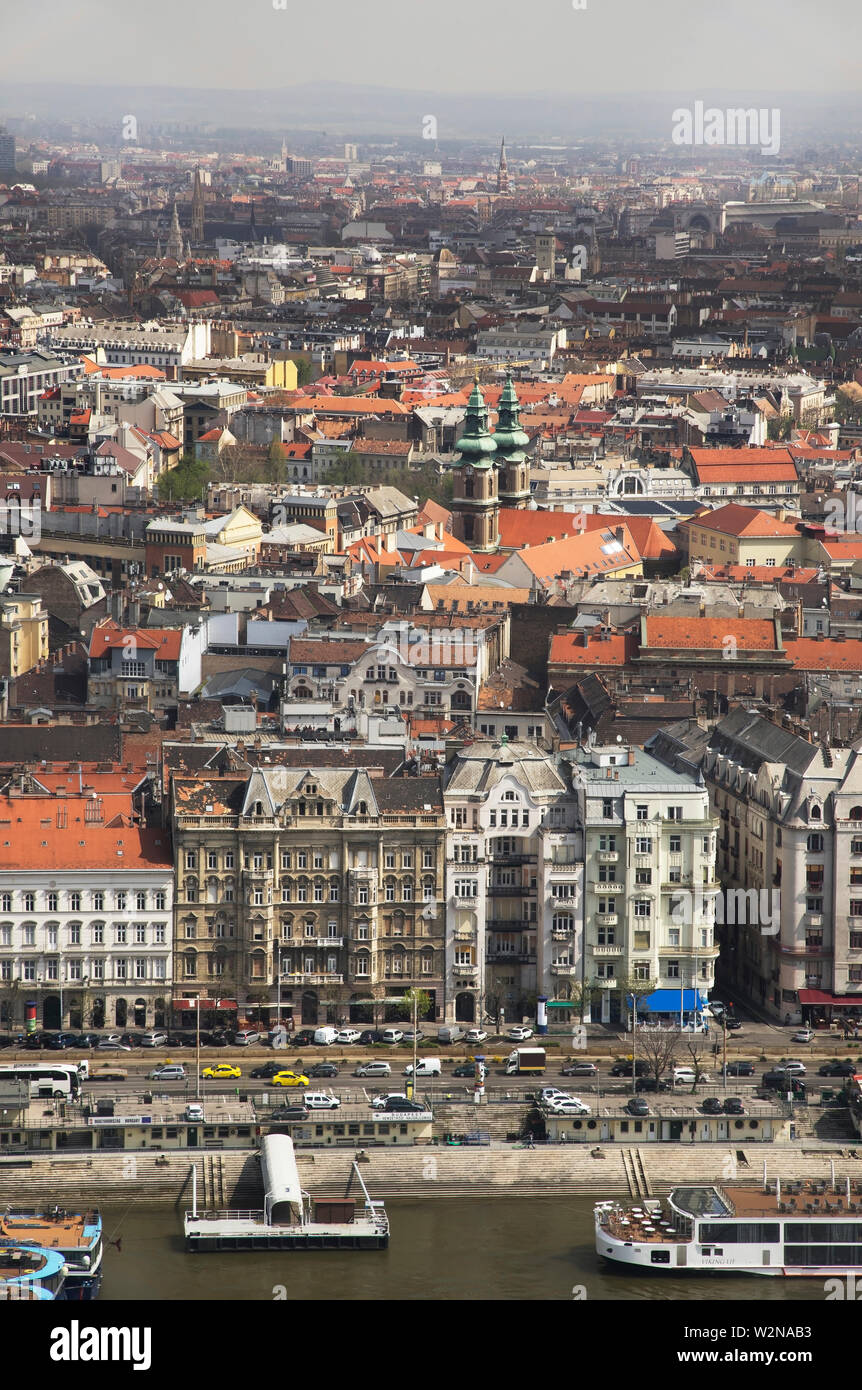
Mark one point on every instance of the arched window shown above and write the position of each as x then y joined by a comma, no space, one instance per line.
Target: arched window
815,813
856,812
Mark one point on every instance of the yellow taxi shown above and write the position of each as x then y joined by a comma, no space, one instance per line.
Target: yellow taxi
289,1078
222,1071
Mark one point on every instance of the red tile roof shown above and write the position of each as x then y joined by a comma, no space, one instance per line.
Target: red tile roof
568,649
80,844
807,654
709,634
108,636
734,519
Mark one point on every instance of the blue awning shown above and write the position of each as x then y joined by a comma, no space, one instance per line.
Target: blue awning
666,1001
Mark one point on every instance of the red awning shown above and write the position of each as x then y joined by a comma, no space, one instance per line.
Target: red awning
817,996
205,1004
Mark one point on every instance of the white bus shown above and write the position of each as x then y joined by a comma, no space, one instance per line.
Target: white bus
58,1080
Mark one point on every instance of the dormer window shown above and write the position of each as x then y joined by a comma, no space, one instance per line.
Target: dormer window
258,808
815,813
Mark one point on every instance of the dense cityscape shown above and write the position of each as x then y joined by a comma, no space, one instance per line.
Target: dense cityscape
430,618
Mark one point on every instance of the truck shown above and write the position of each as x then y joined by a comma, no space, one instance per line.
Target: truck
526,1061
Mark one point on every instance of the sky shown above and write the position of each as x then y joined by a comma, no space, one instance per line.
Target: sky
449,46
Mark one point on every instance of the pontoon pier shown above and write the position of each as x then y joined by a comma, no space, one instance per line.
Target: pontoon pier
291,1219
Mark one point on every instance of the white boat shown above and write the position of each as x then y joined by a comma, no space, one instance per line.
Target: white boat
808,1229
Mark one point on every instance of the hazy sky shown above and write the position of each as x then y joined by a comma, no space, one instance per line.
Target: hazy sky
439,45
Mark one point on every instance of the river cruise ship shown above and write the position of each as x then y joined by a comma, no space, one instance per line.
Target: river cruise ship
77,1236
28,1273
807,1229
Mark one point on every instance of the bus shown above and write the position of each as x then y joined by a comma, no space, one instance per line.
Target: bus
58,1080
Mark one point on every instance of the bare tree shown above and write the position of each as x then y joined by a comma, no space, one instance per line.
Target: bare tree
659,1048
696,1048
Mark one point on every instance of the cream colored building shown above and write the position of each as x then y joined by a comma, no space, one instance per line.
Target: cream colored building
23,633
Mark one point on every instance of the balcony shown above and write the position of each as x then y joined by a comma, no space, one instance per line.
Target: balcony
814,919
607,856
562,933
317,978
510,924
464,934
606,919
606,889
300,943
508,890
465,972
603,952
509,958
513,858
563,970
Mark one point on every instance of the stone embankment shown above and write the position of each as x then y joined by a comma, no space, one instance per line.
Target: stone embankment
232,1178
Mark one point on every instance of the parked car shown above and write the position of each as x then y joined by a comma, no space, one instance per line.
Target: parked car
392,1035
268,1069
790,1064
179,1039
131,1039
519,1033
649,1083
370,1036
732,1025
321,1100
58,1042
157,1037
304,1038
373,1069
86,1040
636,1106
837,1069
107,1046
403,1106
568,1105
803,1035
171,1071
289,1112
246,1037
194,1112
623,1067
549,1093
475,1035
739,1069
348,1036
289,1078
380,1102
734,1106
221,1071
321,1069
712,1106
579,1069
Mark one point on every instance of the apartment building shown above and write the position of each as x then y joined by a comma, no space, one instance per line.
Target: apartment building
791,839
316,888
86,897
649,876
23,633
514,875
143,668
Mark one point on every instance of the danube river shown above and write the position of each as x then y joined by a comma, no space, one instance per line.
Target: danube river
441,1249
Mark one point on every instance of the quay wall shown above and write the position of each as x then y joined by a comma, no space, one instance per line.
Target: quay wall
231,1178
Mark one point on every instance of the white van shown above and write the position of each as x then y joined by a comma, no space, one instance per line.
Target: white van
325,1037
425,1066
449,1034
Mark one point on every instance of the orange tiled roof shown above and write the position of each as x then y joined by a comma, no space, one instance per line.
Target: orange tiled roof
807,654
709,634
734,519
80,844
569,649
165,641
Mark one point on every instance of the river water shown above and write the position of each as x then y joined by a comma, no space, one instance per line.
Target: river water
460,1249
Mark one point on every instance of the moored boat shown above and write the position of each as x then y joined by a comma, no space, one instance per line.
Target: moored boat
28,1273
808,1229
77,1236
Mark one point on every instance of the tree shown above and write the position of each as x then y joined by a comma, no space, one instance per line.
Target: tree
304,371
696,1048
348,469
418,1001
185,482
275,462
633,989
659,1048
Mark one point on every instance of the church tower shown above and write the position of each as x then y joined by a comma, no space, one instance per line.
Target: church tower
197,235
503,170
475,505
511,442
174,248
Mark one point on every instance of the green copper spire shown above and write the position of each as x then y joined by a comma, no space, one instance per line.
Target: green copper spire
476,445
510,438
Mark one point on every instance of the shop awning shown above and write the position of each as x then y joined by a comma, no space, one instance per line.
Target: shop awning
206,1004
841,1001
667,1001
